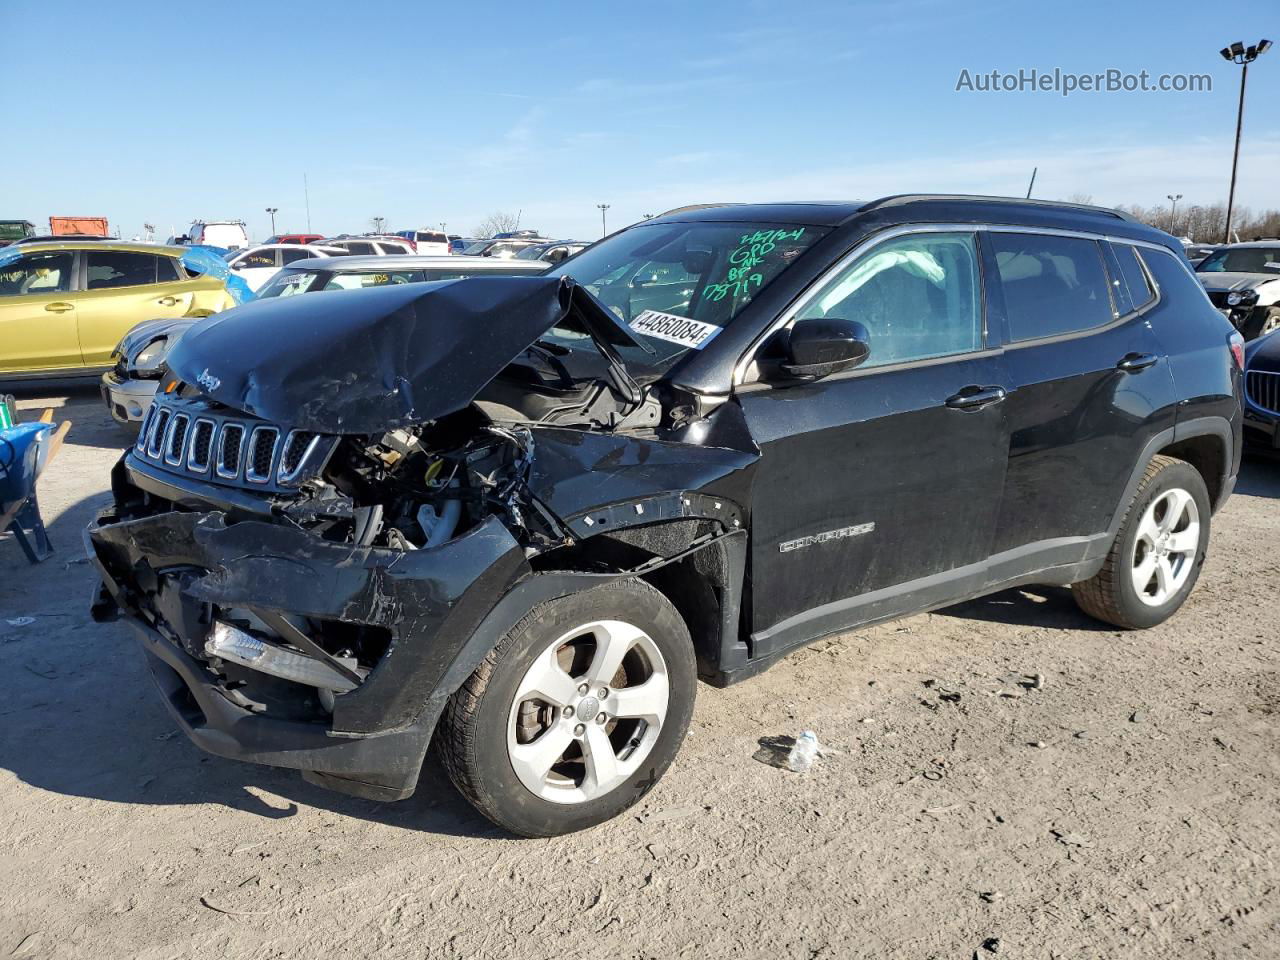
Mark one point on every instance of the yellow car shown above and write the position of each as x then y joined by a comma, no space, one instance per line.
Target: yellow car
65,305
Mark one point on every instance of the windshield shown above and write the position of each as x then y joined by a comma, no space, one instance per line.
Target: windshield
477,248
678,284
1242,260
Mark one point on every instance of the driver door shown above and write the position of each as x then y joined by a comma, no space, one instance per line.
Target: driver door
878,489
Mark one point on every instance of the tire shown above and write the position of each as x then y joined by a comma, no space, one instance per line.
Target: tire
1171,494
509,718
1262,321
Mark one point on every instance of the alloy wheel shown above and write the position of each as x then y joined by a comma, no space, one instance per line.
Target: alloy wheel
588,711
1164,552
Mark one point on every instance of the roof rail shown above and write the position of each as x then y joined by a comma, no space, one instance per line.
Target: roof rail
695,206
903,198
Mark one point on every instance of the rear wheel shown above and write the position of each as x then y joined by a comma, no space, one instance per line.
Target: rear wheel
1158,551
576,713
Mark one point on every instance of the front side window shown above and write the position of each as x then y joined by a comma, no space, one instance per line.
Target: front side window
109,269
37,273
1242,260
918,296
1052,285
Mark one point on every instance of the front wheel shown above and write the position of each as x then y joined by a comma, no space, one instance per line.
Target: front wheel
1262,321
1158,551
576,713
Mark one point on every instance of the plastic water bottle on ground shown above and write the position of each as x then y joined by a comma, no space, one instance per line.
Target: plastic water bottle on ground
805,751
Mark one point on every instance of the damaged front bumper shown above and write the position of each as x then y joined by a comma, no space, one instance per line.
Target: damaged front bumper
175,575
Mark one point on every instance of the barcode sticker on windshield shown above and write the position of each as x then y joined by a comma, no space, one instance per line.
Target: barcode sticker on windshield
667,326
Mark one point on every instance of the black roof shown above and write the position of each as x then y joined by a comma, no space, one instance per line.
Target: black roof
836,212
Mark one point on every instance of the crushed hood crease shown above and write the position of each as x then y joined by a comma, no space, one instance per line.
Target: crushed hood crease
361,361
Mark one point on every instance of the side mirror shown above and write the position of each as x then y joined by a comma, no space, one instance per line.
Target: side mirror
820,347
238,265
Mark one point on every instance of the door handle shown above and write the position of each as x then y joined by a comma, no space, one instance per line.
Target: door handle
973,397
168,301
1133,362
59,306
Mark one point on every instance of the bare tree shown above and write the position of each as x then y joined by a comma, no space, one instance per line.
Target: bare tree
1085,198
499,222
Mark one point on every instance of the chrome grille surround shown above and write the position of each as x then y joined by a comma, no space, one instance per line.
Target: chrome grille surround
199,439
261,454
230,451
1262,387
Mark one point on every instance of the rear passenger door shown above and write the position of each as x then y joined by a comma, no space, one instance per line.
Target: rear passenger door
122,288
1091,384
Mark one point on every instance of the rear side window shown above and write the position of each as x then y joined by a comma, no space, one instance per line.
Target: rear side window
361,249
109,269
35,274
288,256
1051,285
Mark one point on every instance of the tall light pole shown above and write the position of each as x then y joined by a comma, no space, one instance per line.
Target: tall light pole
1173,209
604,228
273,211
1239,53
377,223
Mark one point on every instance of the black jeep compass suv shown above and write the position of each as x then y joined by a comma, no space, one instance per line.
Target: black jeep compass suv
523,515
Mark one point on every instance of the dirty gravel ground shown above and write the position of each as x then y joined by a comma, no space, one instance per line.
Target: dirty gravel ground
1146,825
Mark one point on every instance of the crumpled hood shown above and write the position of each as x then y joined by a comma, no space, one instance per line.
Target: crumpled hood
361,361
146,331
1226,282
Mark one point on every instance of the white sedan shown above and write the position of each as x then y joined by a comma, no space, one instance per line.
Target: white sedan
259,264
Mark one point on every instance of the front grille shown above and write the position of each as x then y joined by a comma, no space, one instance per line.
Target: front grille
1263,389
193,436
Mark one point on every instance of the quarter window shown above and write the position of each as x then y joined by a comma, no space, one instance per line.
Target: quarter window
918,296
1052,285
37,273
166,270
1140,292
109,269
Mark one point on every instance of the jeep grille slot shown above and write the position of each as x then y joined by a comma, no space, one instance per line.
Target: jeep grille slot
295,450
155,442
229,448
201,446
262,451
1263,390
176,444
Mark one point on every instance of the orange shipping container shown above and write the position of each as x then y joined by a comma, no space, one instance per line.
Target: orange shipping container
91,226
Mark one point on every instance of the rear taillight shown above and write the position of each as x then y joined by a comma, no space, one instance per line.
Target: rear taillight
1237,350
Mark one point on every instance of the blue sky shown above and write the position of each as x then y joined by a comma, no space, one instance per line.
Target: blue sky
429,112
